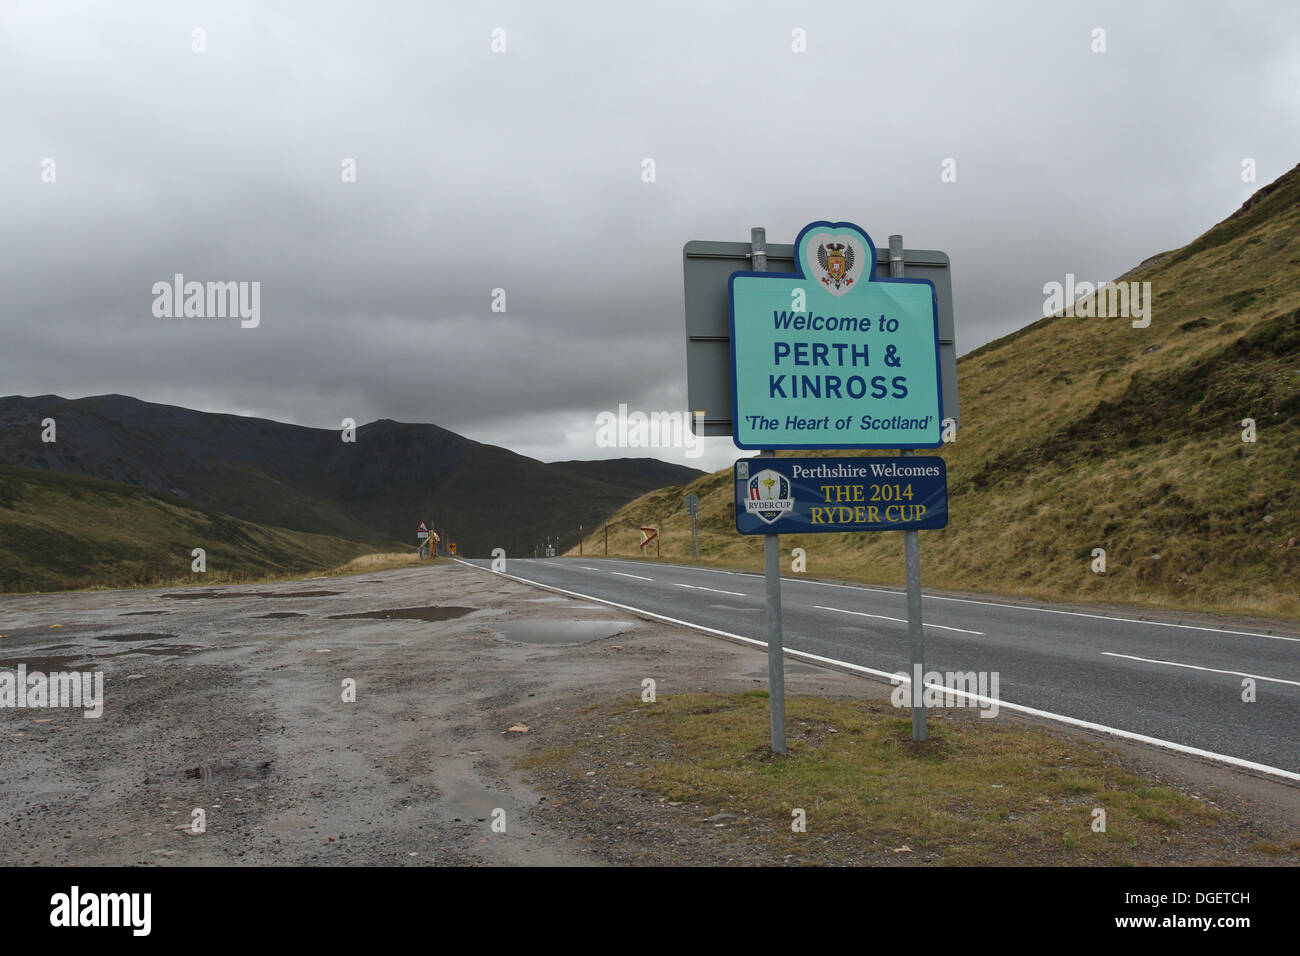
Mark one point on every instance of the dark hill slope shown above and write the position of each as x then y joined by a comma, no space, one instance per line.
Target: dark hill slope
65,531
375,489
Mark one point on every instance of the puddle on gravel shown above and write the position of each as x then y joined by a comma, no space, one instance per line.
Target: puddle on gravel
295,594
170,650
466,803
63,662
559,632
47,664
193,595
222,655
409,614
134,637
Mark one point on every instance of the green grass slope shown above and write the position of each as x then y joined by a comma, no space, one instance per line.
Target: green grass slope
61,531
1083,433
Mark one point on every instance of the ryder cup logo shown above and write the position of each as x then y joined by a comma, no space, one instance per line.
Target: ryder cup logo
769,495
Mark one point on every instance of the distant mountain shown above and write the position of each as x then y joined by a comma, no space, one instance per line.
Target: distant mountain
374,490
1081,433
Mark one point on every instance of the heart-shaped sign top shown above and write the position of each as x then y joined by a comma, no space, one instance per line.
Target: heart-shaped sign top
837,256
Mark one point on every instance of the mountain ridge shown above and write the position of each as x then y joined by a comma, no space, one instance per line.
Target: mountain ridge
306,479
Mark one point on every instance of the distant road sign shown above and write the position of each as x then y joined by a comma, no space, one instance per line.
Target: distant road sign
692,505
707,267
817,495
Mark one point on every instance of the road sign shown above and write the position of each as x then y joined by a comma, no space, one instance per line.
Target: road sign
818,495
423,531
831,356
707,266
692,510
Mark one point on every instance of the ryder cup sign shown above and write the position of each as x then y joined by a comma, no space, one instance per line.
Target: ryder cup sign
835,495
832,356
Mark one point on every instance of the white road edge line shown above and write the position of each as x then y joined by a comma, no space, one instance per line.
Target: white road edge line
893,678
697,587
621,574
1197,667
900,620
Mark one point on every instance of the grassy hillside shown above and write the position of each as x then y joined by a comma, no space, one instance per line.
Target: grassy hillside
64,531
379,486
1080,433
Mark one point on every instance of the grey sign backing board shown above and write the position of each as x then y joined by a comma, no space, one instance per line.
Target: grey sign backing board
708,265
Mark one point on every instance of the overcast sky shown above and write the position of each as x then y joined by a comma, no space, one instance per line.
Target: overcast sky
523,170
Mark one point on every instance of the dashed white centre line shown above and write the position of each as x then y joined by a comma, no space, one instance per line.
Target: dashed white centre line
697,587
900,620
1197,667
623,574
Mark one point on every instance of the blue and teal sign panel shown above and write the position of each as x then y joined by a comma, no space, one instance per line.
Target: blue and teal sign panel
811,495
834,357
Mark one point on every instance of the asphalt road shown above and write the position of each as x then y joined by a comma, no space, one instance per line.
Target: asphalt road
1170,676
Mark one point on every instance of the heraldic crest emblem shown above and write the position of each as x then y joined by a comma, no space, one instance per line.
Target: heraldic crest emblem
836,260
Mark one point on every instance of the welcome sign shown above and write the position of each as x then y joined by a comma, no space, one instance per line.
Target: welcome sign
832,356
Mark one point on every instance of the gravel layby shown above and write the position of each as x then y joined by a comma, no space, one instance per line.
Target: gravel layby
230,701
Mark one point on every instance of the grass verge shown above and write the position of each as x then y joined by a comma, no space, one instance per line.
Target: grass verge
977,792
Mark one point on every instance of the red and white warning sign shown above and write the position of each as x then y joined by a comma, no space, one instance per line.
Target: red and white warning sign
422,531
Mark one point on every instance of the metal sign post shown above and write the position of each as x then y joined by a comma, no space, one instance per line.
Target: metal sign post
912,558
771,567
